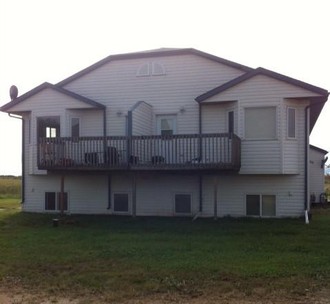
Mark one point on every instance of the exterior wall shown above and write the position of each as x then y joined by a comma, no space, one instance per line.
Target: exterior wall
316,173
279,155
117,86
215,117
88,194
51,103
232,191
91,122
155,193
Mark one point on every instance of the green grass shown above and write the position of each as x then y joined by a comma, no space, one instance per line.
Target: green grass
120,257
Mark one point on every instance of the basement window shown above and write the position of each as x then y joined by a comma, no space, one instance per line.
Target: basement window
120,202
260,205
52,201
182,204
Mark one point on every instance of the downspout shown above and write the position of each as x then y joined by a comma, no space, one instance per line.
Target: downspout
23,158
306,162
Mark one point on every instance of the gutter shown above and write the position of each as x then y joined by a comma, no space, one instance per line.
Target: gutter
23,158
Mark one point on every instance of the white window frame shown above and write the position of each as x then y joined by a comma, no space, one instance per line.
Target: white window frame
159,118
288,123
275,137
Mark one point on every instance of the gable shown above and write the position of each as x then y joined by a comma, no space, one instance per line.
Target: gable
183,76
260,85
48,95
153,55
267,73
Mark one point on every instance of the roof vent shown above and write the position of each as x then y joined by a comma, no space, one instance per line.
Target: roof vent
13,92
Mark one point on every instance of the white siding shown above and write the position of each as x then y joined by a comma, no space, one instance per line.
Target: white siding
155,193
316,173
116,85
293,149
91,122
232,190
142,119
269,156
215,117
86,194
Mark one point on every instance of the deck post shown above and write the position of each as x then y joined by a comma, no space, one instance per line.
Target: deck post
134,195
215,196
109,191
200,180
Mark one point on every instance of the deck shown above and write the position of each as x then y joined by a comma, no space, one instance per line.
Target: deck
175,152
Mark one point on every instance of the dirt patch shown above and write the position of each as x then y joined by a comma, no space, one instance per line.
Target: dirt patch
258,296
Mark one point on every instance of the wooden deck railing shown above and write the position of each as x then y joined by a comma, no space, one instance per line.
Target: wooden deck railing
176,152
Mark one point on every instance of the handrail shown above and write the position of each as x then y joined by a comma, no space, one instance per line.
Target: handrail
143,152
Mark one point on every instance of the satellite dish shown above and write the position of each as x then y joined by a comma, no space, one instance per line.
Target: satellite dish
13,92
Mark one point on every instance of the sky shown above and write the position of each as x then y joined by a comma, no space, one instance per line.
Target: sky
46,40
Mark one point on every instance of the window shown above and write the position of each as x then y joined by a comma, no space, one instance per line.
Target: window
75,127
120,202
53,201
166,125
231,122
182,204
151,69
48,126
261,205
50,201
260,123
291,116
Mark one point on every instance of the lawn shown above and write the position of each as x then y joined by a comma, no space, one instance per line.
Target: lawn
118,258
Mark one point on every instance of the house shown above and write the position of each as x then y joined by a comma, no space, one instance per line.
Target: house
168,132
317,162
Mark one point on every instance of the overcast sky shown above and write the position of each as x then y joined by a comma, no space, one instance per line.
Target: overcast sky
43,40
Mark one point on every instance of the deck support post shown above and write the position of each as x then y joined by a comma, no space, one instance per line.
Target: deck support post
62,195
134,194
200,182
215,196
109,191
